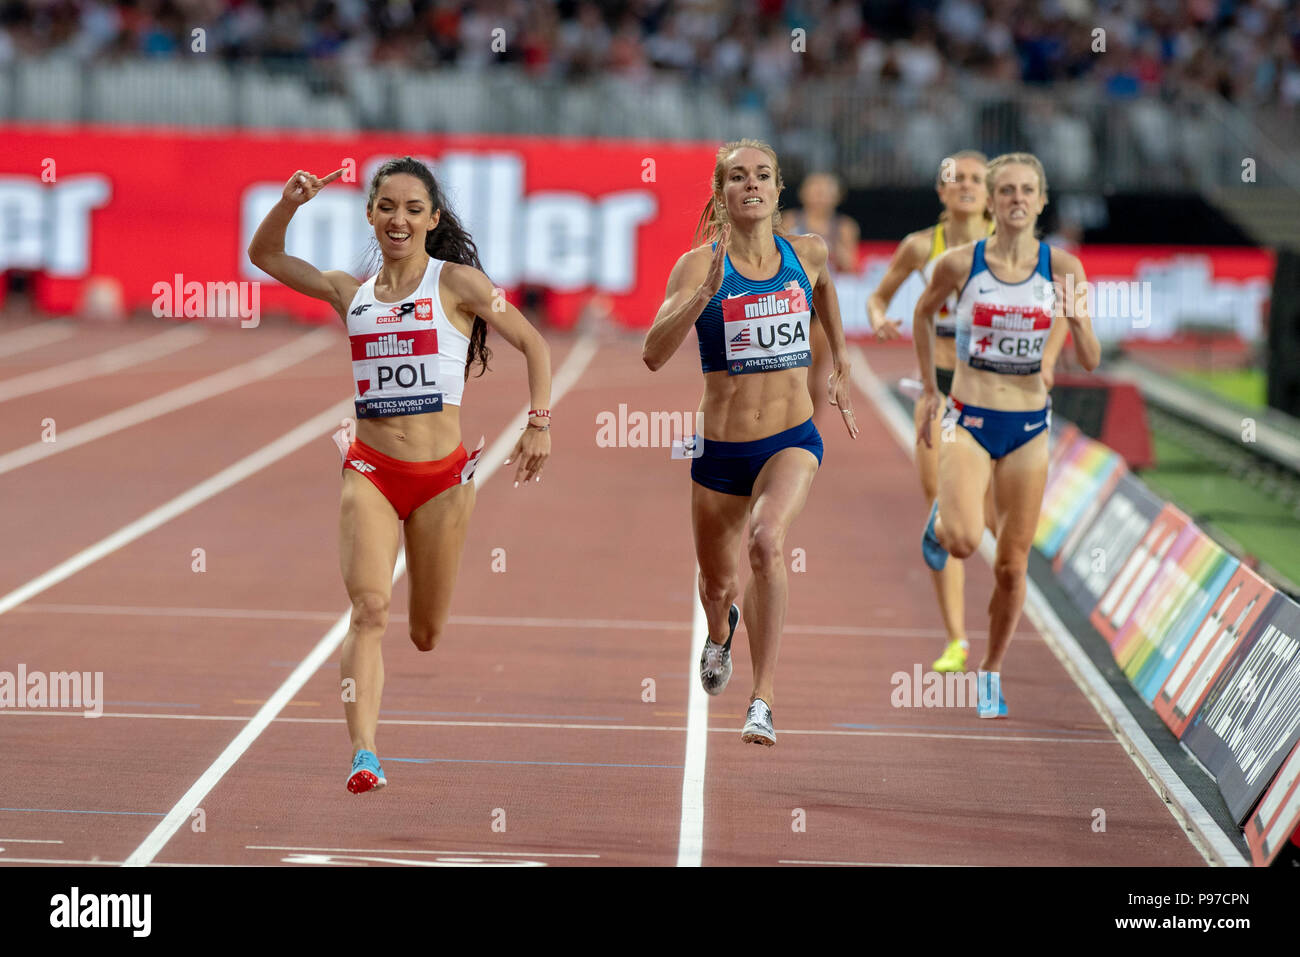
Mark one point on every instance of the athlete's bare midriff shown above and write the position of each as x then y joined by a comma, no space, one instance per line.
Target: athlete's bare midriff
744,408
997,390
413,438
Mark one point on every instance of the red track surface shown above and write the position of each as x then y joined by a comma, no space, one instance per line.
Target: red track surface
530,714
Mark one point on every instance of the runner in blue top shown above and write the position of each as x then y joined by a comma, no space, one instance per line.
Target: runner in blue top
748,295
1009,299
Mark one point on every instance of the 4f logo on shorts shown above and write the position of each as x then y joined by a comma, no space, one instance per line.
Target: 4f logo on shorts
361,466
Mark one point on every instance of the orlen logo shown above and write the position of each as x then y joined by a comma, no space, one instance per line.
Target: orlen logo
47,225
558,238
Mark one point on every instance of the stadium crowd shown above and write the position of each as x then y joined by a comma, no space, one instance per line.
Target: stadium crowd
1247,51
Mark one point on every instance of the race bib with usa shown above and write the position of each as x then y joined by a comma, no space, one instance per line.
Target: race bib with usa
767,331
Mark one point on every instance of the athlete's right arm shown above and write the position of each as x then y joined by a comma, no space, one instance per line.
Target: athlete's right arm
944,281
266,251
908,257
693,282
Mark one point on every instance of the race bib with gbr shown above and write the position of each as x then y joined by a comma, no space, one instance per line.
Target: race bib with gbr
767,331
1008,339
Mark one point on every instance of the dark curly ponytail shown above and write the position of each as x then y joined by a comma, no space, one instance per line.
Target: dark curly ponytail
448,241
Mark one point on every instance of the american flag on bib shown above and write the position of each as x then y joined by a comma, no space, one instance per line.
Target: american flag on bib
740,340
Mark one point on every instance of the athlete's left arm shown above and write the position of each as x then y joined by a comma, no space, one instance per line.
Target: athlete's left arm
1072,303
827,305
476,296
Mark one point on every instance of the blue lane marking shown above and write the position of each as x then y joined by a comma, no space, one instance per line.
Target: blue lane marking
932,727
59,810
489,714
157,704
563,764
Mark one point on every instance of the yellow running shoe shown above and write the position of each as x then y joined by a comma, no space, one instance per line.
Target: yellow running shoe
953,657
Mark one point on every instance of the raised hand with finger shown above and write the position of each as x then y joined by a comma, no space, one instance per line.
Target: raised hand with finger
303,185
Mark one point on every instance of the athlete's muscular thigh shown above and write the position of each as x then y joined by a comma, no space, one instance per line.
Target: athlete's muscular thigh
368,541
718,523
964,473
435,540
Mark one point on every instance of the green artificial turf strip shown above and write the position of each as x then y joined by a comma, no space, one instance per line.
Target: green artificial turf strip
1248,387
1263,526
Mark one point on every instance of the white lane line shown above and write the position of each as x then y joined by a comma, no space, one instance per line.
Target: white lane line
690,837
26,840
97,863
574,365
873,864
235,377
32,337
123,357
44,860
290,442
1185,808
429,723
392,850
599,624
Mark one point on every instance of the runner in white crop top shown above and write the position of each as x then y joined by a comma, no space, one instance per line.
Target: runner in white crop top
415,330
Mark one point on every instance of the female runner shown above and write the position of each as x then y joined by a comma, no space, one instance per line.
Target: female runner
965,218
416,328
1007,301
748,297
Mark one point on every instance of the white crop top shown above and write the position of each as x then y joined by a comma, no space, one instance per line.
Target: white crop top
407,357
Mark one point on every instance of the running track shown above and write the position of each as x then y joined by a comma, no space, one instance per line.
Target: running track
526,737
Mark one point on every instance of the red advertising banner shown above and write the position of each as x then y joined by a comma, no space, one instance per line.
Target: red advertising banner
1278,814
167,214
160,211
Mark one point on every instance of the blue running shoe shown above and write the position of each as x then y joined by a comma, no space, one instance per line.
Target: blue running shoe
366,774
991,703
934,553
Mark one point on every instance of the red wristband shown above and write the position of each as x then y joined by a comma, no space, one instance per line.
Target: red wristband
539,413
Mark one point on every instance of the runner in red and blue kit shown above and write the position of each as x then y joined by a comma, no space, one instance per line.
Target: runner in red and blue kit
995,428
415,329
748,295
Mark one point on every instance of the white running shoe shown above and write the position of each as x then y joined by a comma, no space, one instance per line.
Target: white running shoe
715,661
758,724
